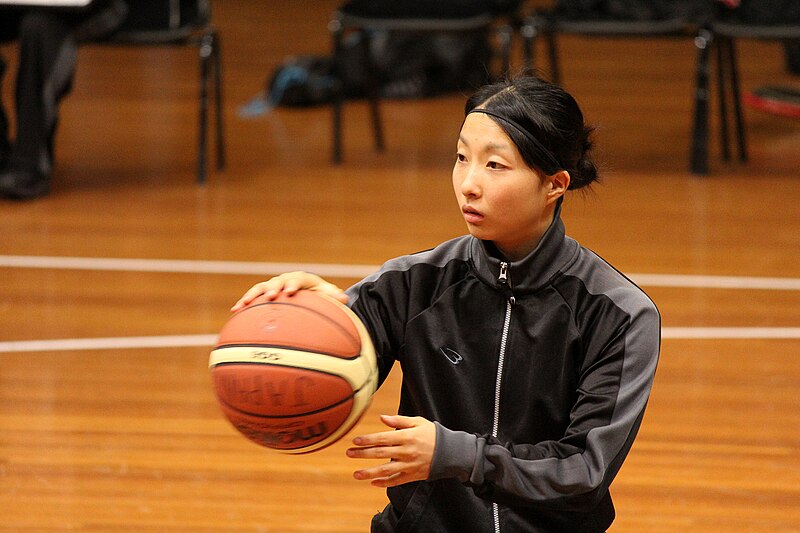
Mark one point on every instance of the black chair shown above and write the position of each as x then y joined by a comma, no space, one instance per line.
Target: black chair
549,24
722,36
367,18
183,23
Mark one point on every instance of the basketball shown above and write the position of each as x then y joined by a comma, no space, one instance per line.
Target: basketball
294,374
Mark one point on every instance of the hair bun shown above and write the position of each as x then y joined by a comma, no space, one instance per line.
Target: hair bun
585,172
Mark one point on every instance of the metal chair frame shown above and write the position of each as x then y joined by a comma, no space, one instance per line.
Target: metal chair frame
722,36
202,34
549,26
343,23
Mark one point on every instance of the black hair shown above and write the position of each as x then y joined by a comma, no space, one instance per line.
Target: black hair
545,123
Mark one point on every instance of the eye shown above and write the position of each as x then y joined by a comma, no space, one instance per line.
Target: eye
460,157
495,165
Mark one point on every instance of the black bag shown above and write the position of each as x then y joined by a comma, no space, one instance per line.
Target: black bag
428,8
765,12
418,66
635,10
150,15
406,66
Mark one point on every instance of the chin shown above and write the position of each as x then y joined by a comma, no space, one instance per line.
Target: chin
479,233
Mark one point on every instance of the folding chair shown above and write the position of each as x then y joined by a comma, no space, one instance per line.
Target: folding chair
183,23
550,24
367,18
724,34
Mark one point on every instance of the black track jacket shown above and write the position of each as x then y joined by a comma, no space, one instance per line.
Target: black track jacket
536,373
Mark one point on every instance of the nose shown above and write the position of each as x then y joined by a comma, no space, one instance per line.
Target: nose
470,183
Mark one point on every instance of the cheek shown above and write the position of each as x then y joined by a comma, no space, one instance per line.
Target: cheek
512,199
520,205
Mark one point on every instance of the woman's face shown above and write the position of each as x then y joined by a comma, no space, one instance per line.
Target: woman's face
501,198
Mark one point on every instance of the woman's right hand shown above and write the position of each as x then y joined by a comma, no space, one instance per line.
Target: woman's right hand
289,283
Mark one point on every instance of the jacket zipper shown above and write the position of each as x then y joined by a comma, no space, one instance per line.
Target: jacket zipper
503,280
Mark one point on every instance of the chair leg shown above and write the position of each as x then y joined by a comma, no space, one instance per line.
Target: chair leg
373,93
338,93
505,35
737,100
336,110
698,163
722,74
202,157
377,125
529,34
555,70
220,125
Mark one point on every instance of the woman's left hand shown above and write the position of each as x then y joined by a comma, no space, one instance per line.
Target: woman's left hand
409,449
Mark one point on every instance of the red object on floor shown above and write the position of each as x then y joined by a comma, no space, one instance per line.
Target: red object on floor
783,101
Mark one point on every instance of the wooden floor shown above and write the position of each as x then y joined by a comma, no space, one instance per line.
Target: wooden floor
109,423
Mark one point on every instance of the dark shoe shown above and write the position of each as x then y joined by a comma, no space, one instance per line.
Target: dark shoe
20,183
5,145
5,153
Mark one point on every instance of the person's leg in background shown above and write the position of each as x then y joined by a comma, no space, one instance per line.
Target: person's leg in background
9,24
48,55
5,145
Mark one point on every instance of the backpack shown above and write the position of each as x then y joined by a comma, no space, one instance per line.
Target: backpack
406,66
764,12
634,10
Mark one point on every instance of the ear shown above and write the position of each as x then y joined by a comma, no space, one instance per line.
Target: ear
557,184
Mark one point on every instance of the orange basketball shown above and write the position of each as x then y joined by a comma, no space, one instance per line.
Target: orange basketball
296,373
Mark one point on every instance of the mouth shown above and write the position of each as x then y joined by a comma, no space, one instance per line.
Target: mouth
471,215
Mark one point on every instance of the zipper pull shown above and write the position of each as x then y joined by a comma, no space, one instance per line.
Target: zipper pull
503,277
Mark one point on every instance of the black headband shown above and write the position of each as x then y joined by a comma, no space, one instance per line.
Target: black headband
547,154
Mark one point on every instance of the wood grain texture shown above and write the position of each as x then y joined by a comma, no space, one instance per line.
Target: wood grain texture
132,439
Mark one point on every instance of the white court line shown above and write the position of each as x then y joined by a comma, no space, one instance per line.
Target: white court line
715,282
729,333
332,270
350,271
188,341
108,343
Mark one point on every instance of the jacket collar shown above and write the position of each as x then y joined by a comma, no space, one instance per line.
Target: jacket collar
554,252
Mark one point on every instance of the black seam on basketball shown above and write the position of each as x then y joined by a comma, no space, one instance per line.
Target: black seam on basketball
282,347
355,391
344,330
266,363
280,417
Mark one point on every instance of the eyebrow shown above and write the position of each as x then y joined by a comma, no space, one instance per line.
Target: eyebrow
492,146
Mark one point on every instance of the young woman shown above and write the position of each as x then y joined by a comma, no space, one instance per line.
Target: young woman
527,360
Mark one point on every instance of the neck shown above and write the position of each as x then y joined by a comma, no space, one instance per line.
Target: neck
523,249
